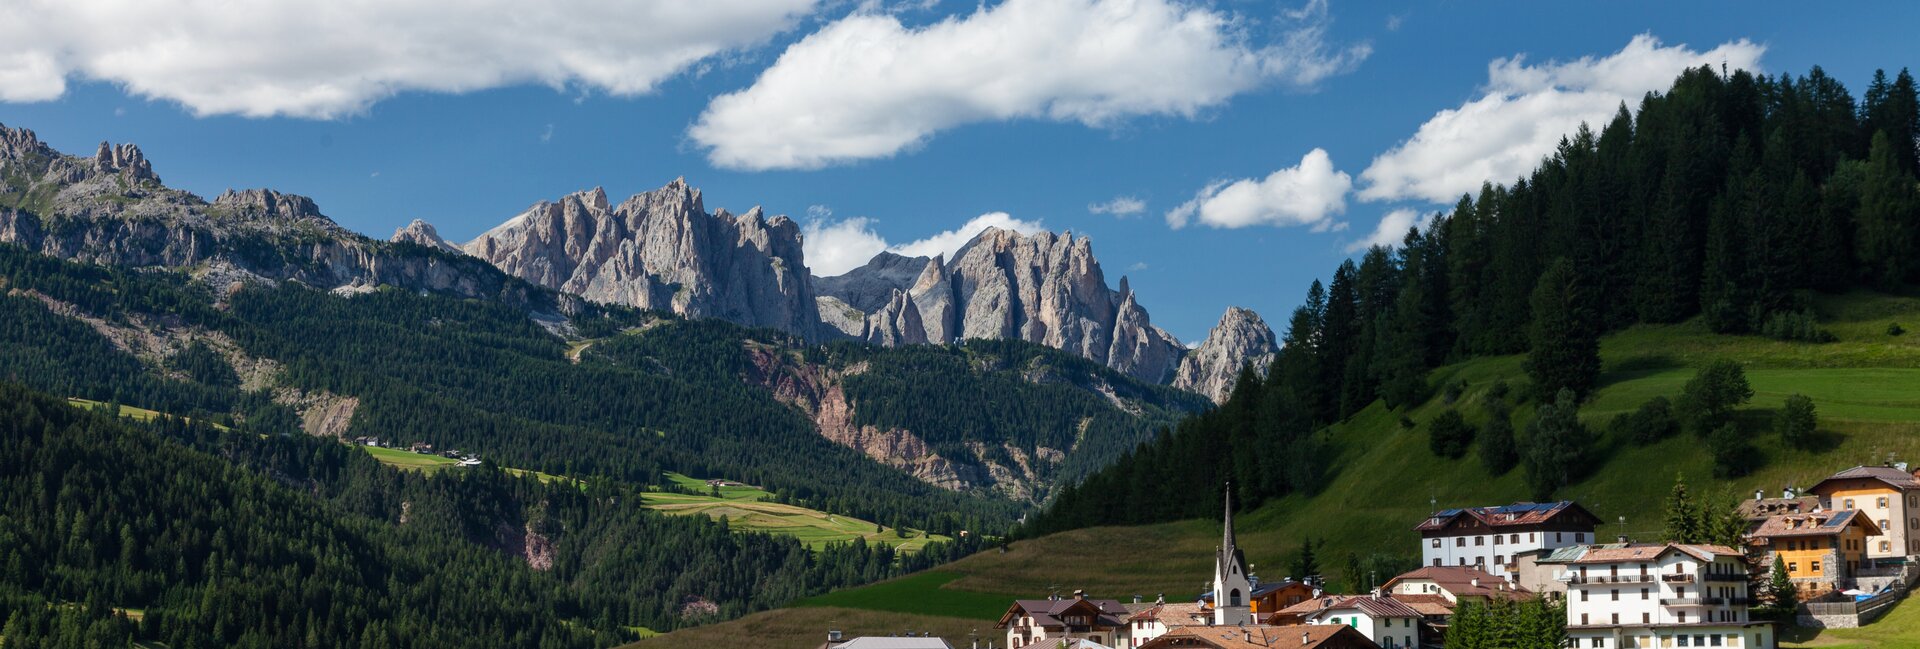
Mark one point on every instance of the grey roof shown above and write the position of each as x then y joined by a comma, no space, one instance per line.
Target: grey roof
882,642
1892,476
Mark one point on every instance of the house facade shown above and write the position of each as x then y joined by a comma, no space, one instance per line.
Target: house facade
1488,538
1638,596
1047,622
1821,551
1889,496
1143,626
1385,621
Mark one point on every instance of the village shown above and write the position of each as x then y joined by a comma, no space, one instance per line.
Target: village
1843,550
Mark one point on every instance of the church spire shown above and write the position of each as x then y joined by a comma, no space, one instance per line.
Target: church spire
1226,537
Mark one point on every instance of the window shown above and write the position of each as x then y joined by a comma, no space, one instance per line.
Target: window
1479,540
1643,593
1599,642
1583,617
1646,618
1683,639
1616,594
1583,595
1886,546
1463,561
1516,538
1714,639
1436,543
1793,566
1459,541
1480,560
1847,504
1579,537
1816,567
1436,563
1556,537
1496,539
1683,617
1499,559
1882,503
1616,618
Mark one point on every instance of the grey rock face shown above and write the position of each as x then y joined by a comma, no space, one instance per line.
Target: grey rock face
868,287
661,250
1043,288
841,317
111,209
423,233
1240,338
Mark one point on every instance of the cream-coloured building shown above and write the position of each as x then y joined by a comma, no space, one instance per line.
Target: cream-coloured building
1889,496
1642,595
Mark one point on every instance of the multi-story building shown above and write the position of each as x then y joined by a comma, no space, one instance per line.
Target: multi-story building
1156,621
1263,636
1488,537
1821,551
1047,622
1645,595
1889,496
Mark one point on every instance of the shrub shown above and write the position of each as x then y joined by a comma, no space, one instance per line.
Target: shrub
1557,446
1498,451
1894,329
1799,326
1498,390
1449,435
1651,422
1796,422
1708,400
1453,391
1733,455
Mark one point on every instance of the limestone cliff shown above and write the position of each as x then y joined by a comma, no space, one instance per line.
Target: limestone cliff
1240,338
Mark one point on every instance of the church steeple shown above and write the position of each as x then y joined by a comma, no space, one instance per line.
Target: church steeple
1232,587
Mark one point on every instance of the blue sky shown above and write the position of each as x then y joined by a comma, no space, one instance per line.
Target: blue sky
464,145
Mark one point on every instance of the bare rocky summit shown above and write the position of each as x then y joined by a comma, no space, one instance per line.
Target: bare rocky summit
661,250
1241,338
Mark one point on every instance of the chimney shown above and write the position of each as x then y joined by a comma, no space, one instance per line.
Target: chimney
1305,638
1079,593
1160,599
1476,582
833,635
1623,539
1376,592
1136,599
1787,492
1902,466
1759,495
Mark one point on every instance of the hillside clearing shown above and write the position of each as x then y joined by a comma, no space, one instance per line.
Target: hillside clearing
749,508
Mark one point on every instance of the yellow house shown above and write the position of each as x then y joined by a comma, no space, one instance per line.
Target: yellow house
1888,496
1822,550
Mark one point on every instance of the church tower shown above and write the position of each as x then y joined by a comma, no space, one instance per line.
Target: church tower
1231,586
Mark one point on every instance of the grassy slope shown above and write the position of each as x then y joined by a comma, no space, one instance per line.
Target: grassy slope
745,508
1866,386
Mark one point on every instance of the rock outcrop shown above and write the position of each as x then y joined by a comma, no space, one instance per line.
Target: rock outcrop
1043,288
112,209
423,233
661,250
1240,338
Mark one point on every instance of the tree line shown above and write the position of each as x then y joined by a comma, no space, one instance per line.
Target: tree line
1730,197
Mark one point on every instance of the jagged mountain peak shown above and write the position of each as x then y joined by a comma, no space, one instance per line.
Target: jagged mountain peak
423,233
1240,338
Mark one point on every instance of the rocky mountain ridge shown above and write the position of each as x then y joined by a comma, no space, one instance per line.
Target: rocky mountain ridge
1240,339
112,209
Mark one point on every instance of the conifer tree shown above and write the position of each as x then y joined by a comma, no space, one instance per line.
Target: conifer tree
1887,213
1796,421
1556,446
1683,520
1565,344
1780,586
1498,451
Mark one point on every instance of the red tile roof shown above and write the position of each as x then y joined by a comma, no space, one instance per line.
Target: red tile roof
1465,581
1517,514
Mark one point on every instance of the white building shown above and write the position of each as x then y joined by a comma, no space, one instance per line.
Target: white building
1488,537
1154,622
1645,595
1047,622
1385,621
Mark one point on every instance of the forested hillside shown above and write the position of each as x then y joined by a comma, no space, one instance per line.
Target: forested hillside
1729,198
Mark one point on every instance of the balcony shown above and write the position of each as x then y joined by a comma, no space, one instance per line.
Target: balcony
1681,578
1693,601
1724,577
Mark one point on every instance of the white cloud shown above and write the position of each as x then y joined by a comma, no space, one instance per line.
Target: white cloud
1121,206
866,86
336,58
547,134
1525,111
1309,194
1392,229
1138,266
835,247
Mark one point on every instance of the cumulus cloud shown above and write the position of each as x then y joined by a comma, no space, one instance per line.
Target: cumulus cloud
835,247
1392,229
1525,111
1308,194
867,86
1121,206
329,59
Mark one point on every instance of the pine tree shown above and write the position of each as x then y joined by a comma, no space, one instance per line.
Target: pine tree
1682,519
1556,446
1780,586
1887,213
1469,627
1497,448
1449,435
1708,399
1565,344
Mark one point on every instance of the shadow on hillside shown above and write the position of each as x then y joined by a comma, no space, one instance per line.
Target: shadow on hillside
1635,367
